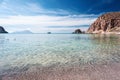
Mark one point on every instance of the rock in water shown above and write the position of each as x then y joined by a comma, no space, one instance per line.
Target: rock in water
77,31
109,22
2,30
48,32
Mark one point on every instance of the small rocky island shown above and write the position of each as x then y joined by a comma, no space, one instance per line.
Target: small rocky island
2,30
106,23
48,32
78,31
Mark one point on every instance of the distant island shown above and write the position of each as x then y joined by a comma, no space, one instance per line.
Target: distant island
48,32
23,32
2,30
78,31
108,23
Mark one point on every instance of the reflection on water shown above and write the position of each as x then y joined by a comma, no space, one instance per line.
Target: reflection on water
107,39
109,45
2,39
20,50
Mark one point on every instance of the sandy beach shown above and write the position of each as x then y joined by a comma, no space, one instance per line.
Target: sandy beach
109,71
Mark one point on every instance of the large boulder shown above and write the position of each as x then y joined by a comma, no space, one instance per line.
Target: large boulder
2,30
109,22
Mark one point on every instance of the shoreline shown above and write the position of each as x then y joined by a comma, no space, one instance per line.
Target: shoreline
110,71
102,32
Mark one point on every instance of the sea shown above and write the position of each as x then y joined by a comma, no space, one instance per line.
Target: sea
18,50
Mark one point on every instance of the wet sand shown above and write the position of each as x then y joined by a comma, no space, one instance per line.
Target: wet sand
109,71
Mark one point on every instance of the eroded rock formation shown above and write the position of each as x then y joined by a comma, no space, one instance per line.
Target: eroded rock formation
109,22
77,31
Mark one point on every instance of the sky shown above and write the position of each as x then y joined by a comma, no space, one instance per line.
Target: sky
57,16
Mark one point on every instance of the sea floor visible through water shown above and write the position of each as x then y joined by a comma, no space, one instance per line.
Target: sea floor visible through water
59,57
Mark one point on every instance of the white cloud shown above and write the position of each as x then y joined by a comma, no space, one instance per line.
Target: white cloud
42,22
33,7
24,15
45,20
9,7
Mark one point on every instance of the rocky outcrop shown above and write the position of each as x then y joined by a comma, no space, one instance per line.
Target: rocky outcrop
2,30
109,22
48,32
77,31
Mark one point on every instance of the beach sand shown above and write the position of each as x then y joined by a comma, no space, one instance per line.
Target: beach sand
109,71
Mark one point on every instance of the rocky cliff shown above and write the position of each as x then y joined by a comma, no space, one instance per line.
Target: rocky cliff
109,22
2,30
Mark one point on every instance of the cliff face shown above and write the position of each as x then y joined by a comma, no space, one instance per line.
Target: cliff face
109,22
2,30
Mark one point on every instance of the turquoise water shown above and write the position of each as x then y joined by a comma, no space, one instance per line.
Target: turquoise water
23,49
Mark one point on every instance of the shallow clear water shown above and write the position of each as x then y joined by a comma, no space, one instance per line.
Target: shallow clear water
44,49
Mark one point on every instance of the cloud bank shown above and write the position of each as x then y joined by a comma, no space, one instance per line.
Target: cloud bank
45,22
19,15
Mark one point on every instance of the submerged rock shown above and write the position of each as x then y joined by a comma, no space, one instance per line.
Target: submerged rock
2,30
106,23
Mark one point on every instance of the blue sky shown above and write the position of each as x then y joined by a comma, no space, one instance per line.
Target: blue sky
41,16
